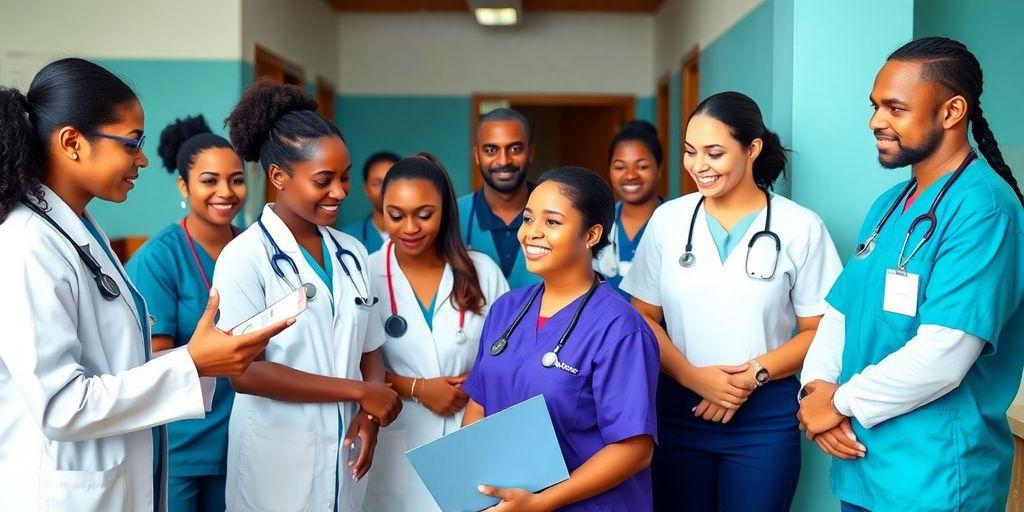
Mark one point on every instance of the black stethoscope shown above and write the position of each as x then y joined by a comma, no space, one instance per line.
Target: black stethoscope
362,299
106,284
688,259
395,325
865,248
550,358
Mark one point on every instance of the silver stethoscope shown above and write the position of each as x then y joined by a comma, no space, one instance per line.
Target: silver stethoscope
611,268
868,246
688,259
106,284
396,325
362,296
550,358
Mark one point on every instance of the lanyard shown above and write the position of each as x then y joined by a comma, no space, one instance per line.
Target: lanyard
195,254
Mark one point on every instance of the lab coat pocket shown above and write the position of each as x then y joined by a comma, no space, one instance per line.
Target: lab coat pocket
86,490
390,467
277,468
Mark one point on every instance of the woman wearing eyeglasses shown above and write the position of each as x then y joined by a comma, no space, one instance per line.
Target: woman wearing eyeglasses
81,399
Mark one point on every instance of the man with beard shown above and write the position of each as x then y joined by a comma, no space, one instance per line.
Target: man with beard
491,216
914,364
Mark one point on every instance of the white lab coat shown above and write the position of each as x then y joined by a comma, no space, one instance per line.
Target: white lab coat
714,312
285,456
422,353
77,396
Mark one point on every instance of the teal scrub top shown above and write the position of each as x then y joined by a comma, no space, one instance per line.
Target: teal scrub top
364,231
726,241
955,452
625,246
481,240
165,273
326,272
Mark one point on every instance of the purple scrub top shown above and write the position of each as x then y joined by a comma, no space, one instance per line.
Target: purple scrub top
611,398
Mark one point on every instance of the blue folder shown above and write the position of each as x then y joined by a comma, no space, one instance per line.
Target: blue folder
516,447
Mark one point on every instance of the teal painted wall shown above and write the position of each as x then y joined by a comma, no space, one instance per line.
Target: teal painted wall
741,60
985,26
406,125
647,109
167,89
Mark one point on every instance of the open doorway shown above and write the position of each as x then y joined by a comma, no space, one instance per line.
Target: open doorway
567,129
689,92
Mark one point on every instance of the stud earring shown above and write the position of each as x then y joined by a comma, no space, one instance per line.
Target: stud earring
74,156
183,205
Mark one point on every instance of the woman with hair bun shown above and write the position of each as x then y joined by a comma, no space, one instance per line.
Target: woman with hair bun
733,271
635,158
304,423
172,271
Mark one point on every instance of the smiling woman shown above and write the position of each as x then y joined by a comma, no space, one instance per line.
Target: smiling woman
172,271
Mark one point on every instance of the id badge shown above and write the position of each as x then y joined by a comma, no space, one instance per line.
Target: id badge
901,292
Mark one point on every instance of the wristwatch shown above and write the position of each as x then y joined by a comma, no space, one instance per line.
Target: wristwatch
760,373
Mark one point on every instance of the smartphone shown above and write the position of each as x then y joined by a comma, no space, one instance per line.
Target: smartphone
290,305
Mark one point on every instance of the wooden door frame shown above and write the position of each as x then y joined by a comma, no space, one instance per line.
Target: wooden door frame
628,102
662,123
265,60
689,95
324,85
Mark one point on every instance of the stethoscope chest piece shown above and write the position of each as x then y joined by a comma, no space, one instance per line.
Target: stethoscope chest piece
310,290
498,346
460,336
549,359
108,287
864,250
687,259
395,326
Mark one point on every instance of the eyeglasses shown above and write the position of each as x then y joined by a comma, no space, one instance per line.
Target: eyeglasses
133,145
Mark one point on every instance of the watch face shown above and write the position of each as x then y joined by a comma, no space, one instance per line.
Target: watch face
761,376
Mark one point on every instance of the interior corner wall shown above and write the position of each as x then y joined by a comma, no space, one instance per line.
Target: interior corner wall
985,26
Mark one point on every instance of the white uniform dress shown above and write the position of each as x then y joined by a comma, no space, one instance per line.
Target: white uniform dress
422,353
715,313
78,397
285,456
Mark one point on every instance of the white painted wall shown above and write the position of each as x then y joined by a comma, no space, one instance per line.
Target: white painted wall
449,54
681,24
304,32
35,32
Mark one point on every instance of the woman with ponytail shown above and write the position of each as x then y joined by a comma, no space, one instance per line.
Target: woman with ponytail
732,279
81,398
904,365
173,270
442,292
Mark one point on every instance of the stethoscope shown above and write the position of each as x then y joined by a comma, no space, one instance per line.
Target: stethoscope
106,284
688,259
611,268
550,358
395,325
868,246
362,296
195,254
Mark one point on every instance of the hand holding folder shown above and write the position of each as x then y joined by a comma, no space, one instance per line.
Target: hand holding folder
514,448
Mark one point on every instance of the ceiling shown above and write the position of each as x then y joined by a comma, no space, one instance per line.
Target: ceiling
528,5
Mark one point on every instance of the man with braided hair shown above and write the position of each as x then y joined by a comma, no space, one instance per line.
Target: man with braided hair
914,364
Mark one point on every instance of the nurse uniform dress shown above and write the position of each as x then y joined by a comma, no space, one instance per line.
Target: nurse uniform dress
175,282
610,398
430,348
718,315
953,453
284,455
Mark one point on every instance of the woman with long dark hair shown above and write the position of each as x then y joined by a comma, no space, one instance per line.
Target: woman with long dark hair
435,296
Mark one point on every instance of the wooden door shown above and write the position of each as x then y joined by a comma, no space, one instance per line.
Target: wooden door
690,98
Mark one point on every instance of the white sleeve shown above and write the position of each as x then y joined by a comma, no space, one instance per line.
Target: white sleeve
644,278
931,364
242,291
42,351
816,274
824,359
